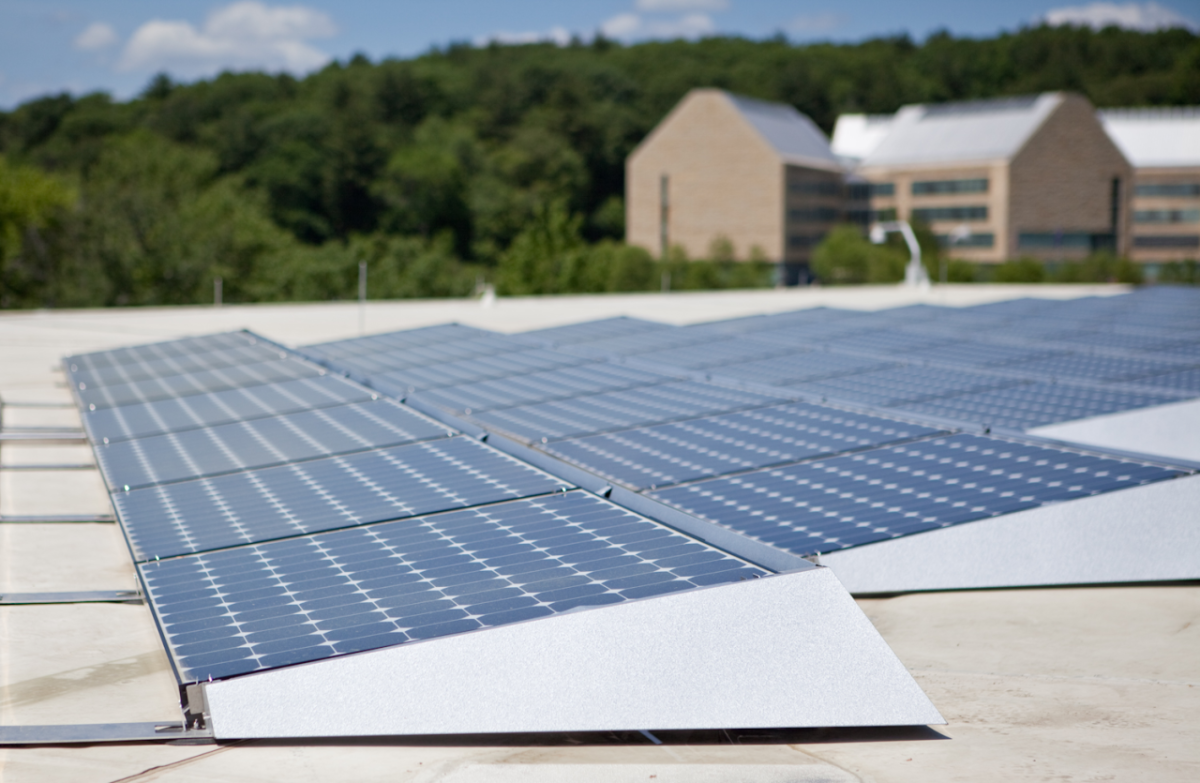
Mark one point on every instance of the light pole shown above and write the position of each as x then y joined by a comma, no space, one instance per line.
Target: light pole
915,275
961,233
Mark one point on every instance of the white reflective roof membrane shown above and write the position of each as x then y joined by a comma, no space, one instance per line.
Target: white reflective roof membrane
1156,138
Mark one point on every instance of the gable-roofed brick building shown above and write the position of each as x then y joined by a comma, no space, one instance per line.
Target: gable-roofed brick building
1164,147
998,179
722,166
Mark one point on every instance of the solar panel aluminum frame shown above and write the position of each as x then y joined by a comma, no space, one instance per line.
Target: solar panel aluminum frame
702,658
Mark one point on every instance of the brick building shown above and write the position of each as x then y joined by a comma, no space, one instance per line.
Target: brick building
722,166
1164,147
998,179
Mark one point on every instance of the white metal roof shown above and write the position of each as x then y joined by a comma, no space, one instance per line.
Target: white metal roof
856,136
967,131
793,135
1156,138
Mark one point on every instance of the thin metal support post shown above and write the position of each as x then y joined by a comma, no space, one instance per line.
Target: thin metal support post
666,282
218,285
362,297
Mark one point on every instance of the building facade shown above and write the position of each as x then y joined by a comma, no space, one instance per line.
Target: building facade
722,167
1030,176
1164,147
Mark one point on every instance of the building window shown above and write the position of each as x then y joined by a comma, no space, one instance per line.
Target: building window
930,214
945,186
1167,216
815,215
972,240
823,188
1065,240
1170,190
884,215
802,241
858,191
883,188
1182,241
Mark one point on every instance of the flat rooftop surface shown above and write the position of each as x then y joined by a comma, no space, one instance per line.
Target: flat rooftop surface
1042,684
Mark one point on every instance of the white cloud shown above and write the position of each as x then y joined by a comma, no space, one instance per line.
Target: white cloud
98,35
635,26
816,23
558,35
241,36
675,6
1132,16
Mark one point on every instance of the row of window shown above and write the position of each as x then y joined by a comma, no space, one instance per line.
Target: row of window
1167,216
1065,240
1168,242
947,186
971,240
1170,190
814,215
930,214
817,188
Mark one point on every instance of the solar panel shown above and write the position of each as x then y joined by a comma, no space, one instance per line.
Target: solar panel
324,494
1036,404
712,353
874,495
898,385
1123,341
201,382
258,607
887,343
422,355
594,330
127,372
392,341
258,443
620,410
645,342
980,354
205,410
687,450
481,368
1183,381
1091,367
538,387
141,353
796,366
754,323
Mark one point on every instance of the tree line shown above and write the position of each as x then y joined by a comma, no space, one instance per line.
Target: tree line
499,163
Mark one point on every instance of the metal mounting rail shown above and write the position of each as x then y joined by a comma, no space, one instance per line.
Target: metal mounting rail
45,437
44,466
93,733
83,597
69,519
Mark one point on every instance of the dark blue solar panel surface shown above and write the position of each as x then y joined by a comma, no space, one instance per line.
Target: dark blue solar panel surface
1037,404
423,355
393,341
712,353
686,450
324,494
138,354
1186,382
874,495
481,368
886,342
620,410
141,369
202,382
594,330
795,367
205,410
261,442
1091,367
981,354
645,342
238,611
898,385
515,390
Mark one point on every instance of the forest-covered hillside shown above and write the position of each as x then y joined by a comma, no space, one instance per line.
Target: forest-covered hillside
504,162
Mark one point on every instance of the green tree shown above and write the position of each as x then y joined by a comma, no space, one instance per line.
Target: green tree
31,204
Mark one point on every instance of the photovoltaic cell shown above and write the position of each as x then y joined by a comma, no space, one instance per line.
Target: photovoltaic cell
981,354
261,442
910,488
252,608
645,342
205,410
712,446
420,356
538,387
1183,381
620,410
202,382
898,385
324,494
887,343
1036,404
393,341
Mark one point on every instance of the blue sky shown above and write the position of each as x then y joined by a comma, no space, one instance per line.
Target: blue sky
80,46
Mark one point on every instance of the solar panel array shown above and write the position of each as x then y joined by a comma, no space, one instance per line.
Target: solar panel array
280,513
813,430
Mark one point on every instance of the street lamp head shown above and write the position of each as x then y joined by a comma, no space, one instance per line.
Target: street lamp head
878,235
